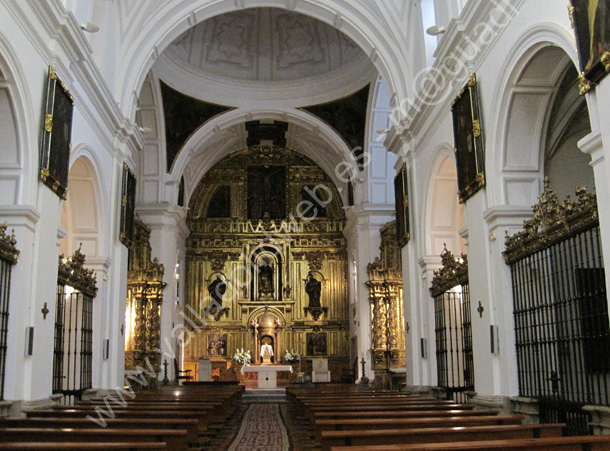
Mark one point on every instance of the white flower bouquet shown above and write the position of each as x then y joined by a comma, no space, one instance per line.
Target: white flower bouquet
242,357
291,356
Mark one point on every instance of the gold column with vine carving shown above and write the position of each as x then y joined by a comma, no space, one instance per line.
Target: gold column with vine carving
386,297
145,295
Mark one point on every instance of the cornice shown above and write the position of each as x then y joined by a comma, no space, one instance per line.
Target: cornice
164,216
106,119
458,35
20,215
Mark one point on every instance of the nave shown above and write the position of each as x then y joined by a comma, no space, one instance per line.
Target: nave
303,417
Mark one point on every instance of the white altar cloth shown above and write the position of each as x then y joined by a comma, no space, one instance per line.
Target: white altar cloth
267,374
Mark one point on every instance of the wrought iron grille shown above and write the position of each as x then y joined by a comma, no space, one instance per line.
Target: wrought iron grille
5,287
453,330
8,257
73,350
562,328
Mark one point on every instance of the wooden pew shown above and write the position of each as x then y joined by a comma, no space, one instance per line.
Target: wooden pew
174,438
203,419
580,443
341,414
189,425
80,446
413,423
436,435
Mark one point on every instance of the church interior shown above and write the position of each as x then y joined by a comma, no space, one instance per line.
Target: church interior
304,224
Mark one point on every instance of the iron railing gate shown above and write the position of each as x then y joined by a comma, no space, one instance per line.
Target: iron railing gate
8,257
73,350
453,327
561,309
453,331
73,342
562,329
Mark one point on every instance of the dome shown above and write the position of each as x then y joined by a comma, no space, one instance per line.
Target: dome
267,320
264,44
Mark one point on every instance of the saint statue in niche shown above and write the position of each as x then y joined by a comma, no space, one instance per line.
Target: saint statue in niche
265,279
313,288
217,289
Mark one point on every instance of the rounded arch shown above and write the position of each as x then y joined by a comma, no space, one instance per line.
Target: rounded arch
221,136
82,212
526,91
144,44
444,215
19,166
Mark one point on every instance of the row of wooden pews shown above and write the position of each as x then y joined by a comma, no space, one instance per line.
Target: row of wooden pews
353,418
171,418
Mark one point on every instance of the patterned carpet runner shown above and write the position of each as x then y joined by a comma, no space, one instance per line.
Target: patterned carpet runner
262,429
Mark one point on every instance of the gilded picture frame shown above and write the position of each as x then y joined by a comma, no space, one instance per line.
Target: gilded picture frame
402,206
56,135
469,142
591,23
128,207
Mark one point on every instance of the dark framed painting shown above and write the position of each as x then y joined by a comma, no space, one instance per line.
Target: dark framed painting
402,206
468,136
128,207
591,23
316,343
217,345
56,135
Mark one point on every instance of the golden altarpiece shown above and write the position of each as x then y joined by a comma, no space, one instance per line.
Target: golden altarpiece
387,310
267,261
144,298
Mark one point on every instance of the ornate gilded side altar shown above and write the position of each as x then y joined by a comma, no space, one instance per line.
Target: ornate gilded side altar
387,310
268,224
144,298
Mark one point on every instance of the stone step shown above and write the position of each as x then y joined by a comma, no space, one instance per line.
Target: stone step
264,396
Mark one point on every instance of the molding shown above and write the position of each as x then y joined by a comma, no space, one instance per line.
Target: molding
164,216
507,216
38,404
502,403
307,91
593,145
459,31
20,215
107,120
6,408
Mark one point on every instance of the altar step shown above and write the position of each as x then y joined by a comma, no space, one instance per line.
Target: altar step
264,396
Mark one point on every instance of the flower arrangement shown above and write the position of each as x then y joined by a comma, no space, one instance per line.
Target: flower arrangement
242,357
291,356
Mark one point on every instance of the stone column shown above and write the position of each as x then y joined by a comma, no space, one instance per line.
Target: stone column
364,223
168,241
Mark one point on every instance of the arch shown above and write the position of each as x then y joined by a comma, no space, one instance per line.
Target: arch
219,137
525,91
82,212
18,169
444,214
144,43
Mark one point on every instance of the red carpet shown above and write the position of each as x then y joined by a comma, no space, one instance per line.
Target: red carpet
262,429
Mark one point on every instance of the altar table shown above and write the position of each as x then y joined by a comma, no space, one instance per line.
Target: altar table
267,374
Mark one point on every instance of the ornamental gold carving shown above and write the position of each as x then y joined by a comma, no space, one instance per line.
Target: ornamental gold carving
8,251
553,221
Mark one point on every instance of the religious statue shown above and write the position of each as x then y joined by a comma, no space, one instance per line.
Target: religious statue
217,289
265,280
266,352
313,288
